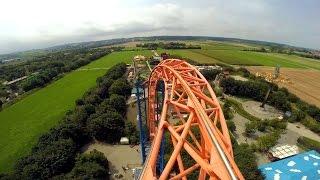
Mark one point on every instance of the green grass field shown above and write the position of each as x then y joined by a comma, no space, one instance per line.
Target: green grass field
23,122
231,53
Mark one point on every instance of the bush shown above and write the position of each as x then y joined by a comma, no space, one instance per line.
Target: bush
308,143
312,124
244,72
264,143
231,125
217,91
277,124
227,112
311,110
297,115
250,128
262,125
239,108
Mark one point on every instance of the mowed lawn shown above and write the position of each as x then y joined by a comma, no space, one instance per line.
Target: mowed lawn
22,123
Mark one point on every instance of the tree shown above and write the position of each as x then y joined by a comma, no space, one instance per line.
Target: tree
88,170
116,71
246,160
54,159
90,166
66,130
107,127
93,156
120,87
80,115
79,102
210,74
131,132
1,103
252,89
263,49
267,141
279,100
93,99
118,102
33,82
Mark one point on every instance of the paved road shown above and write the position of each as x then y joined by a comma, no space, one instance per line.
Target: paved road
302,131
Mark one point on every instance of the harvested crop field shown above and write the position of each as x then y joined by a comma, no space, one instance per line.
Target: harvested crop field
305,83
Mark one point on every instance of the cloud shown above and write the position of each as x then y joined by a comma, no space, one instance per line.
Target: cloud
40,23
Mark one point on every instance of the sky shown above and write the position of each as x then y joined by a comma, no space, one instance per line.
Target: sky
32,24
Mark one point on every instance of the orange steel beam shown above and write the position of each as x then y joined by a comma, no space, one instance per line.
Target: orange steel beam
187,92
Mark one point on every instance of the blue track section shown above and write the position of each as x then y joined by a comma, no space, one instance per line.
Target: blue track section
141,108
304,166
142,119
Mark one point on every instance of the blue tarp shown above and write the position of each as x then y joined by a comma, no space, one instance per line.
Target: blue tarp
304,166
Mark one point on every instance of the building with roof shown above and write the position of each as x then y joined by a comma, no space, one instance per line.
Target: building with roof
139,58
282,151
301,166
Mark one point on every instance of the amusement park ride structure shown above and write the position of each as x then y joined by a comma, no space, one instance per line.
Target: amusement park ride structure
188,103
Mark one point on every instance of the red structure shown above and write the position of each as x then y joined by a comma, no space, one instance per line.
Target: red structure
189,103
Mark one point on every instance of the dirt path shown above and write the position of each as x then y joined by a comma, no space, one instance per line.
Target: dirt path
302,131
268,112
119,156
240,122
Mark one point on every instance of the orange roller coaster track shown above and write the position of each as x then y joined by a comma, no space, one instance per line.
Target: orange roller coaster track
189,102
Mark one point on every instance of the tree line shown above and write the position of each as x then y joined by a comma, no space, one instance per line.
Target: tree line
257,89
53,69
44,68
169,45
284,50
99,114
